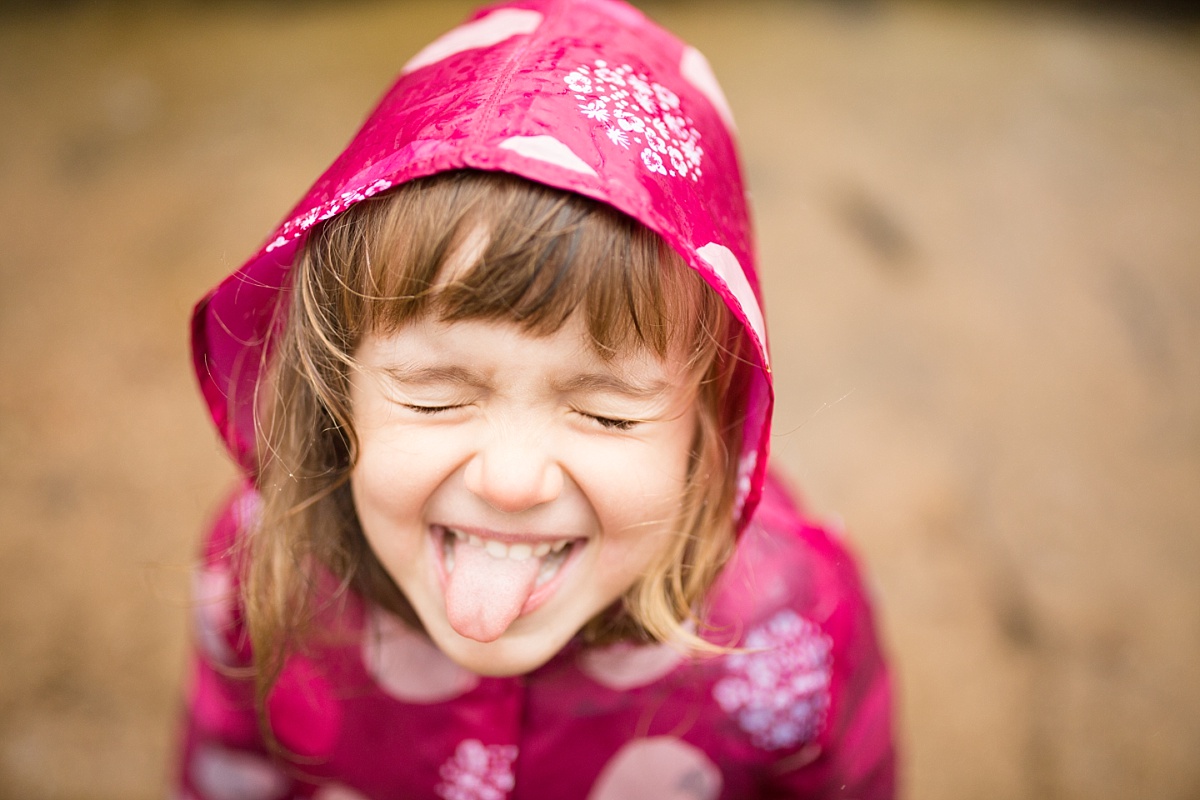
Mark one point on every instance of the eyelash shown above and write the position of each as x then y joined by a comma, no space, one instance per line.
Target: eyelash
608,423
611,424
430,410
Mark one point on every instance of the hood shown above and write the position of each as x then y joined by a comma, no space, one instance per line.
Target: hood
588,96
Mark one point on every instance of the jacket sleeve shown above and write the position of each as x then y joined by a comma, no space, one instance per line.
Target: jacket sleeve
853,756
222,754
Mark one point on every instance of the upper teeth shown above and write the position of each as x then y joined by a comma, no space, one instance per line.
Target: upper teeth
514,552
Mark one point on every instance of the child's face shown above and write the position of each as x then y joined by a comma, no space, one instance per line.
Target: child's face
514,486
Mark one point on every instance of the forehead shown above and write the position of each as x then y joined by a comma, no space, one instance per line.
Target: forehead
476,351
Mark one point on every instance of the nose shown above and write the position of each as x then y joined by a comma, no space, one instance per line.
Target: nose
513,473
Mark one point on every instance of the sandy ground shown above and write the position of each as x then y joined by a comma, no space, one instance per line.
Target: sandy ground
980,235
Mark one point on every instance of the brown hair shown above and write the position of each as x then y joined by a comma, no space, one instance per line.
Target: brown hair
548,254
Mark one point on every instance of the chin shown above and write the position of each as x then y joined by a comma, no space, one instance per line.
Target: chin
512,654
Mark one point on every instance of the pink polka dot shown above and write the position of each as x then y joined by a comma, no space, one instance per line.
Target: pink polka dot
548,149
805,755
337,791
223,774
626,666
726,267
212,613
492,29
659,768
247,510
303,710
696,70
408,666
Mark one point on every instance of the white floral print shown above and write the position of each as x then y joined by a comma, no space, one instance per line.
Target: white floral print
597,109
478,772
653,161
296,226
677,126
778,692
655,139
578,82
640,113
644,95
609,76
617,136
677,160
666,98
629,122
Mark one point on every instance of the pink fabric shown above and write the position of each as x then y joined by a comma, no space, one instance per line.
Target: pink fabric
587,96
378,712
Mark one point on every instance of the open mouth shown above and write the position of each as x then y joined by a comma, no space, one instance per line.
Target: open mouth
489,583
552,554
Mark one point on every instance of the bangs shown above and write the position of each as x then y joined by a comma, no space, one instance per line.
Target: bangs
490,246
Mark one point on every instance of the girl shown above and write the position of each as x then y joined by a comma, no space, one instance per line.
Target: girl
501,390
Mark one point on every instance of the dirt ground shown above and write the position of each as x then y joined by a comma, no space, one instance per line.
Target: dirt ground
982,257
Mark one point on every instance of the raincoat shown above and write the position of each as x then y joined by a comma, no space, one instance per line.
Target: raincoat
591,97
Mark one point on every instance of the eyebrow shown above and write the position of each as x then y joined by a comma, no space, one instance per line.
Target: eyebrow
414,375
607,382
434,374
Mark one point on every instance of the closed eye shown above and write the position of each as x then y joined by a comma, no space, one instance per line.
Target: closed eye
430,410
613,424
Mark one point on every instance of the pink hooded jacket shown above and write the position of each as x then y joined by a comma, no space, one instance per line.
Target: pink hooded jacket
591,97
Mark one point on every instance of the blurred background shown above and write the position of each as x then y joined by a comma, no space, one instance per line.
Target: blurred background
980,231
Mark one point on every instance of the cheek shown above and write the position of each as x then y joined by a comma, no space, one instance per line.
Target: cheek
389,492
396,463
370,501
644,498
662,475
389,510
637,489
376,482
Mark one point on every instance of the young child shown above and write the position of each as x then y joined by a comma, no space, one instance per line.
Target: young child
501,391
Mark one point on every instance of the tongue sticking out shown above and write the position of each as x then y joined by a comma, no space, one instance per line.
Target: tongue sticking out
484,594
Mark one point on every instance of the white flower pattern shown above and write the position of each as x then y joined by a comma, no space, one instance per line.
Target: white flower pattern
778,692
617,136
653,161
597,110
645,113
478,772
578,82
330,208
629,122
